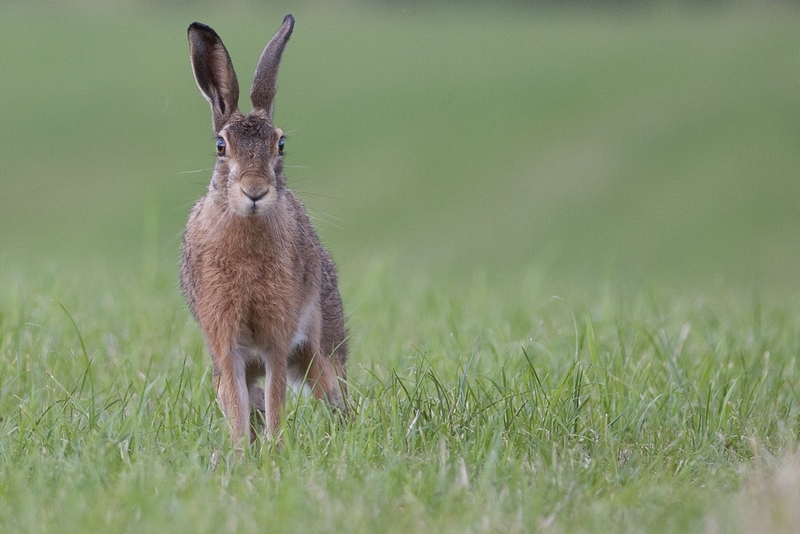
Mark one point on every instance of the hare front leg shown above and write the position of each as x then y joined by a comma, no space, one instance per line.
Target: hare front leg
275,392
233,397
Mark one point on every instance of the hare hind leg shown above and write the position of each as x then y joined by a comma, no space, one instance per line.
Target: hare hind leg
321,377
325,383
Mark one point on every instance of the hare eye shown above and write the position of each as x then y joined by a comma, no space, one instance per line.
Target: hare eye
221,148
281,142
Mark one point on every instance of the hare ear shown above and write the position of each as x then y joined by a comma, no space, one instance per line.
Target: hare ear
264,87
213,72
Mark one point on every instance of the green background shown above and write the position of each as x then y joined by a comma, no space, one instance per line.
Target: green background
656,143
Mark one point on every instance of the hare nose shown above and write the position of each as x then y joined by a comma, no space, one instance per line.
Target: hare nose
256,196
255,192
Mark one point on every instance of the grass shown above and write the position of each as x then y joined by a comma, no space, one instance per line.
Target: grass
495,407
567,244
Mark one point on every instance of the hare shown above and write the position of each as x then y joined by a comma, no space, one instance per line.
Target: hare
253,271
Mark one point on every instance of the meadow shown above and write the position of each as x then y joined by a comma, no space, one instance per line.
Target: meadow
568,244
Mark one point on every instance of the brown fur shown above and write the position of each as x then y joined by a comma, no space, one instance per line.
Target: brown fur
253,271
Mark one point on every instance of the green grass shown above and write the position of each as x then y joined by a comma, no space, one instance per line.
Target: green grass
568,250
492,407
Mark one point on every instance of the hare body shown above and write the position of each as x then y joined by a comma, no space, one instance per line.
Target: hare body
253,271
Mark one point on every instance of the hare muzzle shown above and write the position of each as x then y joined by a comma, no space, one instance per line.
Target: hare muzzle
253,196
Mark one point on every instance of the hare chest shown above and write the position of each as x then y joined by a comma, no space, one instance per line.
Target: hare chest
257,305
274,313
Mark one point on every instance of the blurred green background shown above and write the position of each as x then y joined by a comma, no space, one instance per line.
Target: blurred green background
653,144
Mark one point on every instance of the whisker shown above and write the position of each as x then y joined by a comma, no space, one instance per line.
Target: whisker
324,218
316,195
333,217
193,172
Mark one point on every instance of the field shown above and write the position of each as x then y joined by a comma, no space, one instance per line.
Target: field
568,244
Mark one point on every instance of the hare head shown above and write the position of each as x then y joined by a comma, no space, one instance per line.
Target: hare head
248,176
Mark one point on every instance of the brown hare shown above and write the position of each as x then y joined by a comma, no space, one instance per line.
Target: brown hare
253,272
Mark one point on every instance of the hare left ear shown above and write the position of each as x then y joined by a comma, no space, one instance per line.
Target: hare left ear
265,84
213,72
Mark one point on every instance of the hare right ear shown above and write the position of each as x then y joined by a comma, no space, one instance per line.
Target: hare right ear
213,72
262,94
